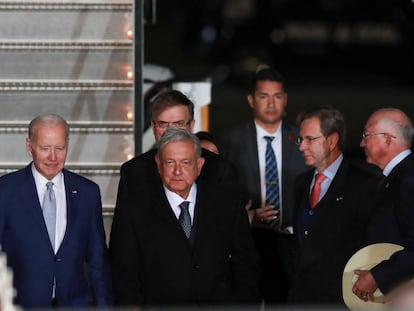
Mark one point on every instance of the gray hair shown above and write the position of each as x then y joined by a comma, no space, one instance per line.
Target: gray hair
174,134
399,121
49,119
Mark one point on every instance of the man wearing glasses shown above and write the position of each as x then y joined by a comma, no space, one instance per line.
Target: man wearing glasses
140,174
332,209
387,141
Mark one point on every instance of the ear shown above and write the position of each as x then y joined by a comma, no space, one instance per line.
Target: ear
153,126
285,100
333,140
158,161
250,100
200,163
28,146
191,125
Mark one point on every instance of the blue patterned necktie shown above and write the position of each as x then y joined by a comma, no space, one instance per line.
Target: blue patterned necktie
49,212
184,218
272,178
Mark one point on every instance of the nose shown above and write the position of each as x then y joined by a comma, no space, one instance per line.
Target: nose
362,143
52,155
302,146
177,169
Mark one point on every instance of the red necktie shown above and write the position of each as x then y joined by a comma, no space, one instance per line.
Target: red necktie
316,190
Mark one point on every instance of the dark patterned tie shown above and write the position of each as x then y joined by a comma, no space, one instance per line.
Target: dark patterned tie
272,179
49,212
184,218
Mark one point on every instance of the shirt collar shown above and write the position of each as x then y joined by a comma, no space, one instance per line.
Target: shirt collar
331,170
41,180
174,199
393,163
262,132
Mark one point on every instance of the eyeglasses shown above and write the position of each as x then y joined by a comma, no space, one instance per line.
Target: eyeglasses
366,135
163,124
306,139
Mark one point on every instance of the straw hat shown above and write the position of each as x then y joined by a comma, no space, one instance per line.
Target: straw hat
365,259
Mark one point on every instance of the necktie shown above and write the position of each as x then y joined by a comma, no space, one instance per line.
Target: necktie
272,178
316,190
184,218
49,212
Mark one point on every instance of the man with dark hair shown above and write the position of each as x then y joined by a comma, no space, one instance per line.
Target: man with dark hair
332,209
271,198
183,242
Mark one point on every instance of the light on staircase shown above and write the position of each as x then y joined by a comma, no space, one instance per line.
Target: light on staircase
130,75
130,34
130,116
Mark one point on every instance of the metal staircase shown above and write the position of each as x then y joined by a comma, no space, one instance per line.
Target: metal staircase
74,58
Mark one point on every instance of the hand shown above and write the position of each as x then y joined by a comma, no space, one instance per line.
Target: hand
250,212
365,286
264,215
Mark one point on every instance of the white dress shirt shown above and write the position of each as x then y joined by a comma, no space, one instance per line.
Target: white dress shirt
60,194
175,200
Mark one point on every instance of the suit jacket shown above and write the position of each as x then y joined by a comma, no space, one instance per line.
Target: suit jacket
155,264
336,232
239,146
393,222
24,239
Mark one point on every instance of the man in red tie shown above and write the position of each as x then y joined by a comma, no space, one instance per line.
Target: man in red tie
332,209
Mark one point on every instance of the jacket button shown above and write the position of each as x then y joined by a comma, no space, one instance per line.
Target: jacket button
57,259
196,267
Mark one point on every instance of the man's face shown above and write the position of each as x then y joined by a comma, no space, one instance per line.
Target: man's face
314,147
178,166
268,102
177,116
48,148
374,143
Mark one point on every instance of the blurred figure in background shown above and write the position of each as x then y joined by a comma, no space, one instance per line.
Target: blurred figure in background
207,141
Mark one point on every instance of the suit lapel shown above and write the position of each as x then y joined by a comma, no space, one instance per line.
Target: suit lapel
163,211
32,206
335,192
252,157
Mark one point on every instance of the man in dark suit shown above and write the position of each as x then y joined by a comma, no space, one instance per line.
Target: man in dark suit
62,260
169,109
387,141
164,254
245,147
332,209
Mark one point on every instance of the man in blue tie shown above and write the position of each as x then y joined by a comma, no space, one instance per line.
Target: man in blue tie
51,226
267,162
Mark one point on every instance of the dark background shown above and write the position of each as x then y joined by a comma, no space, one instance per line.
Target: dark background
351,54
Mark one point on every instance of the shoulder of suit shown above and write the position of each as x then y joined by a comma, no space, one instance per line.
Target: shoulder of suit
76,178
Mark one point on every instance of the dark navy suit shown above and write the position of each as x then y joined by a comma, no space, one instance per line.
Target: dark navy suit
393,222
80,265
330,233
239,146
